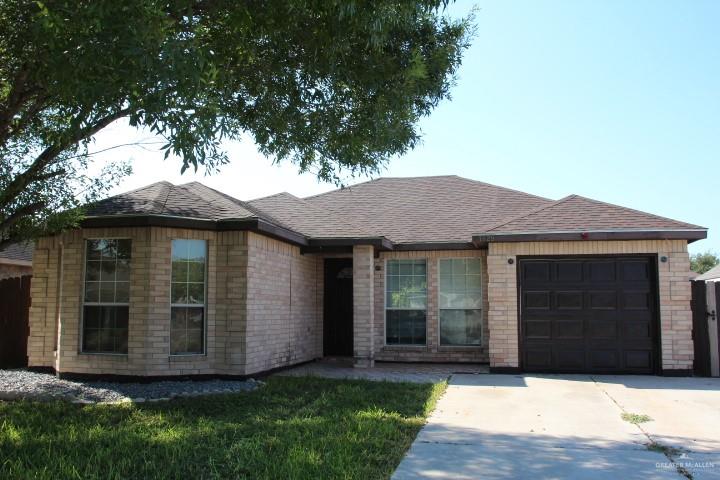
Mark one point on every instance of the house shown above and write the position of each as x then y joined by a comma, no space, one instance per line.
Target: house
16,260
712,275
184,280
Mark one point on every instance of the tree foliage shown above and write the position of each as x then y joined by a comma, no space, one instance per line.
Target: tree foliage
702,262
336,86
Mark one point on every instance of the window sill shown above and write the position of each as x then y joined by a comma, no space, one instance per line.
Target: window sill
187,357
104,354
465,348
405,348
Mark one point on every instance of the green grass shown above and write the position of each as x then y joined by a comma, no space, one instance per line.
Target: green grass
635,418
290,428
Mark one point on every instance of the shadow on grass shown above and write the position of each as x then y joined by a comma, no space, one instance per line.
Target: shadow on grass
291,428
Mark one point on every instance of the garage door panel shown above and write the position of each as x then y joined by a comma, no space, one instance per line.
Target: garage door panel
634,271
638,359
636,329
588,314
537,300
601,271
569,272
602,299
569,300
603,360
602,329
635,300
569,329
538,358
538,329
570,359
536,272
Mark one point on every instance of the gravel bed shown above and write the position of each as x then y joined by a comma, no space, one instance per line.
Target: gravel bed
22,384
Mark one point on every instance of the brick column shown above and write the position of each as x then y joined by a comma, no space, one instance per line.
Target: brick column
363,305
502,316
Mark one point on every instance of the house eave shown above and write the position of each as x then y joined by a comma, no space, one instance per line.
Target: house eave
257,225
662,234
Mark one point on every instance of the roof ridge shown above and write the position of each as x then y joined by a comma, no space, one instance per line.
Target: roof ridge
472,180
638,211
343,188
528,213
257,212
274,195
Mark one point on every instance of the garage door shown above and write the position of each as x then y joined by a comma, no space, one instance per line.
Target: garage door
591,315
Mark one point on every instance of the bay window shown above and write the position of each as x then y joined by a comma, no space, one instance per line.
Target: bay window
187,303
106,296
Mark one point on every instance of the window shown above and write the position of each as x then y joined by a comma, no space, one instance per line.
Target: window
406,302
106,296
187,303
460,301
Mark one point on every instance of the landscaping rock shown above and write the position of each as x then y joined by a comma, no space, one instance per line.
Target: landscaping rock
23,384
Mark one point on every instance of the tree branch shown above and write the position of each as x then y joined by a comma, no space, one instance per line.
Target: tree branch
21,212
15,100
21,181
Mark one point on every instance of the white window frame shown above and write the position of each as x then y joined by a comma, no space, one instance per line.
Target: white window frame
482,303
191,305
386,308
83,303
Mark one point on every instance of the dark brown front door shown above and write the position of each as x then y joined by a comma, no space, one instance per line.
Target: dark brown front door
590,315
338,307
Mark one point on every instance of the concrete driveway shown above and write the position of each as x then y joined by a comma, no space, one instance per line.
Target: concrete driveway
570,426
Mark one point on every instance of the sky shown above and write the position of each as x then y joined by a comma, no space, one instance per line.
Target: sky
615,100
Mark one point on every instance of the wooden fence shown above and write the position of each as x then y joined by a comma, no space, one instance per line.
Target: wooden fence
14,330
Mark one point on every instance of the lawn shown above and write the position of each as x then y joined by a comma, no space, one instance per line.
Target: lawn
290,428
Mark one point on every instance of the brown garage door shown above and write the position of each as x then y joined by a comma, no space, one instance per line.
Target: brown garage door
592,315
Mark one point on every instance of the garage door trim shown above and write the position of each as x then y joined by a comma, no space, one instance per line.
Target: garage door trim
652,259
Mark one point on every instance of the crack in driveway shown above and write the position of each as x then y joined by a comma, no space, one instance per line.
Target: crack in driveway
670,453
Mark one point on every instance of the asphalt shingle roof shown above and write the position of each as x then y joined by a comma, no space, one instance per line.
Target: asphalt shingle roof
577,214
302,216
427,209
442,209
191,200
22,251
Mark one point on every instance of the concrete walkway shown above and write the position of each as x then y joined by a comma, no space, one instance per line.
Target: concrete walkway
569,426
342,368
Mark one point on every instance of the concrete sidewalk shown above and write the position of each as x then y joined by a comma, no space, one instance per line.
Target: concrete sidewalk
569,426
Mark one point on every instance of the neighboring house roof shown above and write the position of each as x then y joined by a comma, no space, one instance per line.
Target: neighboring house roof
414,212
693,275
712,274
18,254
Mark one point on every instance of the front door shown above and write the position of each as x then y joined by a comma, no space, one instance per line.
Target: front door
338,307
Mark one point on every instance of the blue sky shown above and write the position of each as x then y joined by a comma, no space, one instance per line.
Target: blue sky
614,100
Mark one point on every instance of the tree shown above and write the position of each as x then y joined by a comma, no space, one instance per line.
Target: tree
702,262
336,86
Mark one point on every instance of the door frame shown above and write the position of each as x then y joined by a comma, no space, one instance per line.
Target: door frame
654,286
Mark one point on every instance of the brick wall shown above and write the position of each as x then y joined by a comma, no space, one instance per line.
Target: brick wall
674,291
433,351
277,327
284,325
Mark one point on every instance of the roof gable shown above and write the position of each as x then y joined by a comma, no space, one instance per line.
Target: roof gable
580,214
